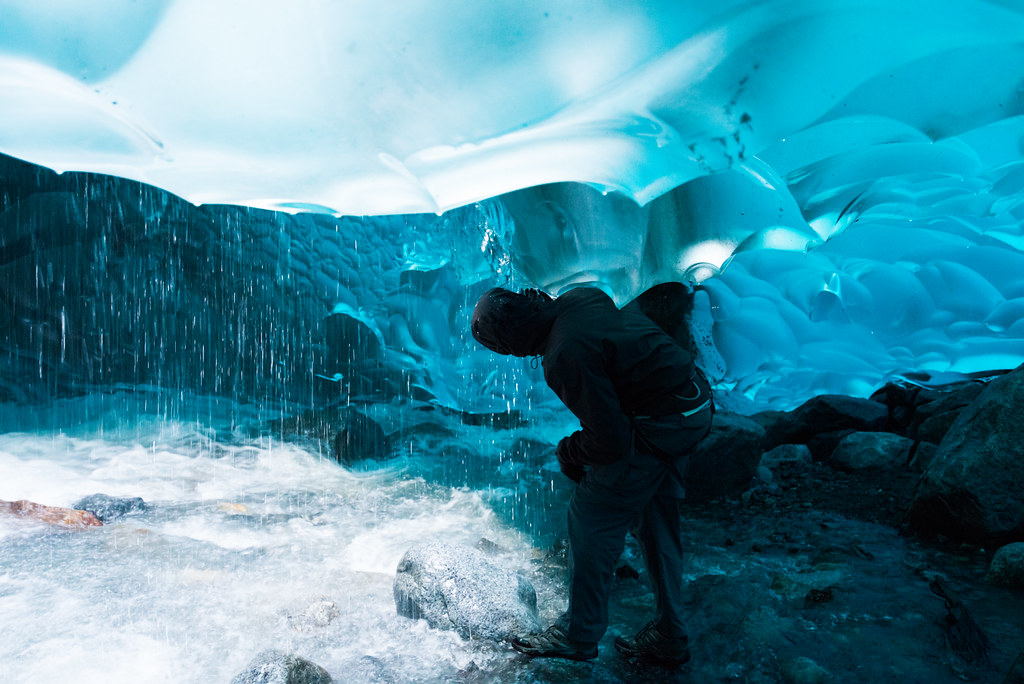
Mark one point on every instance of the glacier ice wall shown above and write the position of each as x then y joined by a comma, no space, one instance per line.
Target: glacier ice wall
845,179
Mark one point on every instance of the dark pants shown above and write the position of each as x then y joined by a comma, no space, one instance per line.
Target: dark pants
639,493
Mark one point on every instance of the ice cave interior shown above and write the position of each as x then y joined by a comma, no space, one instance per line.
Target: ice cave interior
248,209
844,181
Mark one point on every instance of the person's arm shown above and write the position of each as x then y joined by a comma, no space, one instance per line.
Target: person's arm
584,387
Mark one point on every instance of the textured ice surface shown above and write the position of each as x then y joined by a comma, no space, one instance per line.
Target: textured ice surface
845,177
369,108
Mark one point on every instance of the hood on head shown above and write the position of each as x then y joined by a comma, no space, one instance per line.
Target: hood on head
513,323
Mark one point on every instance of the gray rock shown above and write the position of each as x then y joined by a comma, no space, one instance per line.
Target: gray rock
1007,567
463,589
932,419
971,491
935,428
871,451
823,444
787,455
803,671
922,456
826,413
277,667
726,461
109,508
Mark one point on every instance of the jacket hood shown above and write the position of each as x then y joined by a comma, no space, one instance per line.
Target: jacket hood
513,323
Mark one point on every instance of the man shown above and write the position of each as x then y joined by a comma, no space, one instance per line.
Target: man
642,405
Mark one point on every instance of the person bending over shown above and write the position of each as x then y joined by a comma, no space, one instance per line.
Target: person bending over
642,406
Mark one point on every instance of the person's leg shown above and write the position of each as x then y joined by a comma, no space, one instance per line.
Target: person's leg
597,535
659,533
601,511
658,530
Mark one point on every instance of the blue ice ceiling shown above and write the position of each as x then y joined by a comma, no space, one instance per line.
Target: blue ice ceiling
845,178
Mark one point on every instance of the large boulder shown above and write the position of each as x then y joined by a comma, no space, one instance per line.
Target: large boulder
725,462
824,413
464,590
972,489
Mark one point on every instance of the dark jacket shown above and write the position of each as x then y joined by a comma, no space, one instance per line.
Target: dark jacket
606,365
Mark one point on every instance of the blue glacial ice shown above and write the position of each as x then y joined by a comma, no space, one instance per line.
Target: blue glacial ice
592,143
211,210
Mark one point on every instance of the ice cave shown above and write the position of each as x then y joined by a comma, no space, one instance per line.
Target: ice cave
241,242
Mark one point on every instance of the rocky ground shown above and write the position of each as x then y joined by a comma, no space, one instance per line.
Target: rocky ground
814,578
848,540
818,580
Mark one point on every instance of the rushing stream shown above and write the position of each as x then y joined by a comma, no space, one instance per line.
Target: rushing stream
246,544
252,540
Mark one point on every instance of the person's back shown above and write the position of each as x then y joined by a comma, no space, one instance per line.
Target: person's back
610,365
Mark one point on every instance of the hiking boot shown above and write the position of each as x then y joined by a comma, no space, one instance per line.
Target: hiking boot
554,642
651,644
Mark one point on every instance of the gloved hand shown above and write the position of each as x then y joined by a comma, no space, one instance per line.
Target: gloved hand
571,470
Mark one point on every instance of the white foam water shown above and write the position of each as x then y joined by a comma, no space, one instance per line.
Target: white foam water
242,547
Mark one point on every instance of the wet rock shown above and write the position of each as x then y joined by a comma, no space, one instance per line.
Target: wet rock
933,418
803,671
110,508
871,451
464,590
277,667
488,547
53,515
359,438
725,462
1007,567
787,456
922,456
971,491
826,413
935,428
823,444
